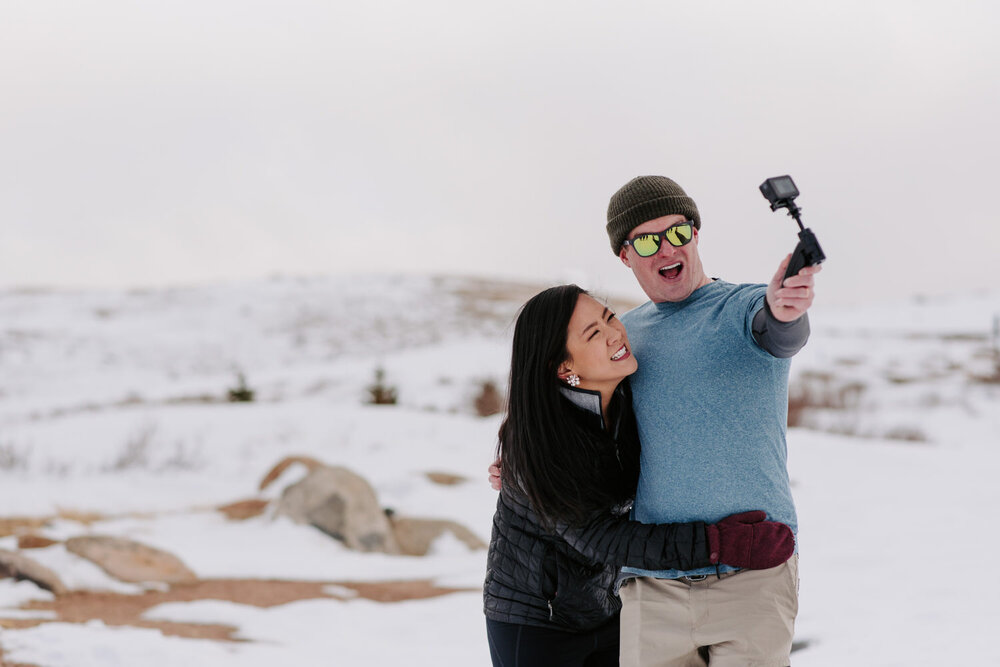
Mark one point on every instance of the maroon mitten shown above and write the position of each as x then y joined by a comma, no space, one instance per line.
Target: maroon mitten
747,540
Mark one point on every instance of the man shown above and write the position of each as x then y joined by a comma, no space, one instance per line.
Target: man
710,397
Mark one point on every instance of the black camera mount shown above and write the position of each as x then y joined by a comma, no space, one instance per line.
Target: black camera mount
781,192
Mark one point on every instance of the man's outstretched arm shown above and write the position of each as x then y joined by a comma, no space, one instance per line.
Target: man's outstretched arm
781,327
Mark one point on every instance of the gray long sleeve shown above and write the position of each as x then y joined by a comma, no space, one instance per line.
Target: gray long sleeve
781,339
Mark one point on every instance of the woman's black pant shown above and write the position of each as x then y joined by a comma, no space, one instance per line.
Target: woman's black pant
515,645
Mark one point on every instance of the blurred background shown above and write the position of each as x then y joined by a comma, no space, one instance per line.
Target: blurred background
176,143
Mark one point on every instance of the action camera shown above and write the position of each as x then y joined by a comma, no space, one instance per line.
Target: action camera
781,192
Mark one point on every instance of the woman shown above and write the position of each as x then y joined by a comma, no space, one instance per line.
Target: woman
570,456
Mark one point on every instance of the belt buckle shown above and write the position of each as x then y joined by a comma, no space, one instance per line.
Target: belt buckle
696,578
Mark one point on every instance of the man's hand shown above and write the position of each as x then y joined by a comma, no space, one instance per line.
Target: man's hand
791,301
495,475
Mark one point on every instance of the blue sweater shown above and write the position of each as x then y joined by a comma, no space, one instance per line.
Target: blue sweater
712,408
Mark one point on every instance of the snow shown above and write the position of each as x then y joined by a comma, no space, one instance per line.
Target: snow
113,403
441,631
78,573
892,541
14,593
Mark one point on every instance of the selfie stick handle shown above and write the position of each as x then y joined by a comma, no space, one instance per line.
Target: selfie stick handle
807,252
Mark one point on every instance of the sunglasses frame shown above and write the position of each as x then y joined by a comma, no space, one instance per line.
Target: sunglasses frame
660,236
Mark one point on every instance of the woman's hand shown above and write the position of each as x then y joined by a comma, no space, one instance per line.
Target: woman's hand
747,540
494,471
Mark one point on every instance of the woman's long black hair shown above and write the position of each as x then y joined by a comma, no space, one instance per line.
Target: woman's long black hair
548,452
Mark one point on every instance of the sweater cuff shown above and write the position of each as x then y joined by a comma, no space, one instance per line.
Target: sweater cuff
780,339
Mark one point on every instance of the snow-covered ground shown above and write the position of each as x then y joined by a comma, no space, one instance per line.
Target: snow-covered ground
114,403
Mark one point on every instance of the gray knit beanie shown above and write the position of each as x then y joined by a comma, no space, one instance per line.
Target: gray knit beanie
646,198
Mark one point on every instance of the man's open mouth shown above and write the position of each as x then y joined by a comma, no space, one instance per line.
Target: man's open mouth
672,271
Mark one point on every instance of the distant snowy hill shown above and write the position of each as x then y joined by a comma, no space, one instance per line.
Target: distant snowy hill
63,349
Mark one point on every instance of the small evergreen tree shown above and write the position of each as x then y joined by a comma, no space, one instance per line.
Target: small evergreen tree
241,393
379,393
996,346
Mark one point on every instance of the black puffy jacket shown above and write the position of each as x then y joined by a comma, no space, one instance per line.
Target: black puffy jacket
565,577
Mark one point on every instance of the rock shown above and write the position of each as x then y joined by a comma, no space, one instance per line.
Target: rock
415,536
13,564
343,505
130,561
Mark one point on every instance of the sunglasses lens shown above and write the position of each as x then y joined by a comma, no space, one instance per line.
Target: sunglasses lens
679,235
647,244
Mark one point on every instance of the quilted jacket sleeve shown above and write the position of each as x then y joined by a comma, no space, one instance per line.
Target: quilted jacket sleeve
618,541
615,540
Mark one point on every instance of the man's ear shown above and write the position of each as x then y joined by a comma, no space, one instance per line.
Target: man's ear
623,256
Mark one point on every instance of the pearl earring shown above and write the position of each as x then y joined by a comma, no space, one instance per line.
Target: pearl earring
573,380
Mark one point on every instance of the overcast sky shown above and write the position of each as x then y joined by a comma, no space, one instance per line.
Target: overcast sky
149,143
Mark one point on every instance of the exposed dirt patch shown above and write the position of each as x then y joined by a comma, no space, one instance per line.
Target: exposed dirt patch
32,541
445,478
244,509
22,525
396,591
119,609
87,518
26,527
16,525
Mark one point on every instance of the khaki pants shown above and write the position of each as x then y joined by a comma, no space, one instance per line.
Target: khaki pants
744,619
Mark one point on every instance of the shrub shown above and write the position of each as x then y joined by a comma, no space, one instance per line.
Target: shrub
379,393
489,401
183,458
241,393
135,452
906,433
13,458
819,390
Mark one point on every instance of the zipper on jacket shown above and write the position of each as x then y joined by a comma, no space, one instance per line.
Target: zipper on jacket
551,611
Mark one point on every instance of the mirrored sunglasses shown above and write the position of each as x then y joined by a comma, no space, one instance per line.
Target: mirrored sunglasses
647,245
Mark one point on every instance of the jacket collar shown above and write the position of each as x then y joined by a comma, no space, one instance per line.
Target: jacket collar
589,401
585,399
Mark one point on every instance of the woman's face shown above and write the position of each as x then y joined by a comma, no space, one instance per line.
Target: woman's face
598,347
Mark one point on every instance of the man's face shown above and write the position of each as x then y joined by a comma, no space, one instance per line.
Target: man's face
671,274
